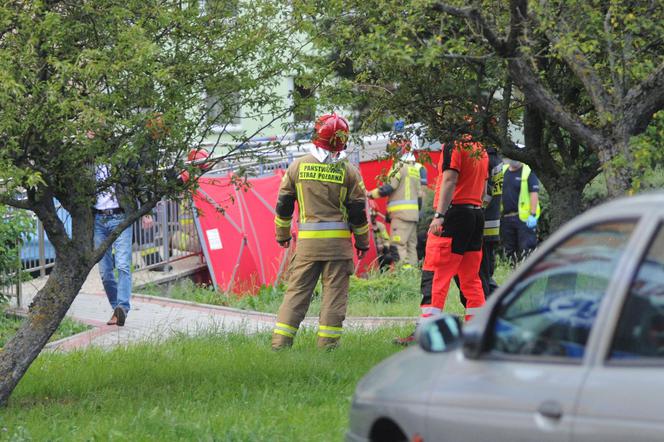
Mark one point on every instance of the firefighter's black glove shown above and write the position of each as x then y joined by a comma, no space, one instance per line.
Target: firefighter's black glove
285,244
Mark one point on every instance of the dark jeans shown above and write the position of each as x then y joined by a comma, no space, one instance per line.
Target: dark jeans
517,239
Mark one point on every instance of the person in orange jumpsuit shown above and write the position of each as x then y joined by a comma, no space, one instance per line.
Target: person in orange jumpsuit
454,240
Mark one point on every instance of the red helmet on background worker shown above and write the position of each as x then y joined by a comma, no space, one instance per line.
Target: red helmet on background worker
331,132
196,154
199,154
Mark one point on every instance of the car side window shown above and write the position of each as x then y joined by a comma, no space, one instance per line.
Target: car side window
639,333
551,310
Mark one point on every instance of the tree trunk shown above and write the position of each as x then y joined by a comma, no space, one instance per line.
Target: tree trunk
44,315
618,176
565,201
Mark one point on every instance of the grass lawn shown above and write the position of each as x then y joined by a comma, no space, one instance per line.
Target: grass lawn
9,324
394,293
217,387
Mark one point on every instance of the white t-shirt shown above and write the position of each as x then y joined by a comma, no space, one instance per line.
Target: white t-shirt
105,200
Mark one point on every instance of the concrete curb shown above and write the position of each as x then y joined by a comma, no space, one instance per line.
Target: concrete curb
271,316
84,339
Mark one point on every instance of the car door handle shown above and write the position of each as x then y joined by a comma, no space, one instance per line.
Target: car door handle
550,409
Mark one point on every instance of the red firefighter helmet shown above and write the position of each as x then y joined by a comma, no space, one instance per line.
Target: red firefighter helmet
194,155
331,132
199,154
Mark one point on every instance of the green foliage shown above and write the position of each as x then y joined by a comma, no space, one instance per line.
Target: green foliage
392,293
122,83
413,61
217,387
13,225
9,324
648,151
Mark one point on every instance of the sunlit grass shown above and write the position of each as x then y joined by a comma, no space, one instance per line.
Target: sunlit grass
215,387
394,293
9,324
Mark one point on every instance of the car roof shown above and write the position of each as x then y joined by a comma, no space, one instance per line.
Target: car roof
638,205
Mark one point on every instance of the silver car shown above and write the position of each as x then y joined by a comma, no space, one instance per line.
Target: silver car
571,348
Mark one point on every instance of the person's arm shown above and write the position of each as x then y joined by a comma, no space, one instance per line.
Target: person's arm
284,210
486,195
388,188
357,214
450,177
450,166
534,200
533,190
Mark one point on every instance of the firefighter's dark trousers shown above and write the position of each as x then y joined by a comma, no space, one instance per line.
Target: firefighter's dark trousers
457,252
303,278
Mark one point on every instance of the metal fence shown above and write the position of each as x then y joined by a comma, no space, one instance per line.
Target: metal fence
173,234
171,237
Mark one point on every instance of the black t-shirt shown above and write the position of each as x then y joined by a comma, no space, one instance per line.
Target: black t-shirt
512,187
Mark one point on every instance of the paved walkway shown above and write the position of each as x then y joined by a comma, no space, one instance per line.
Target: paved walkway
155,319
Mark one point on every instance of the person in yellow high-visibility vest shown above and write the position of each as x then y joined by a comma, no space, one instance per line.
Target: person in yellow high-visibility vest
520,210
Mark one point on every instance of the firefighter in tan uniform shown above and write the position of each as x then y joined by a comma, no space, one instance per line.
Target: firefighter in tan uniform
331,203
403,192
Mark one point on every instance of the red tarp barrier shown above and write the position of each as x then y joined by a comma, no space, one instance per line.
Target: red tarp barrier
236,228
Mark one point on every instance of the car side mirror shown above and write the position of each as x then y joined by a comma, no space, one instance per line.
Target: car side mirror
440,334
473,344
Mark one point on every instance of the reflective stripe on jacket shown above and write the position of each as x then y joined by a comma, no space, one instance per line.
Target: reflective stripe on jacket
331,208
492,210
402,203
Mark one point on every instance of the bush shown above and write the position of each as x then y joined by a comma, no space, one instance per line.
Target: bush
14,224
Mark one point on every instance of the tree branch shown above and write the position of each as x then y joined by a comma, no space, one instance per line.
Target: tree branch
540,97
19,204
479,22
585,72
617,84
643,100
505,104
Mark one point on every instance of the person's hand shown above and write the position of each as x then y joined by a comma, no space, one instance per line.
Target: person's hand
147,222
361,253
436,226
531,222
284,244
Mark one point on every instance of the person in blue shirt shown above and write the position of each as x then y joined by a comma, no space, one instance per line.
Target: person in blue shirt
520,210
